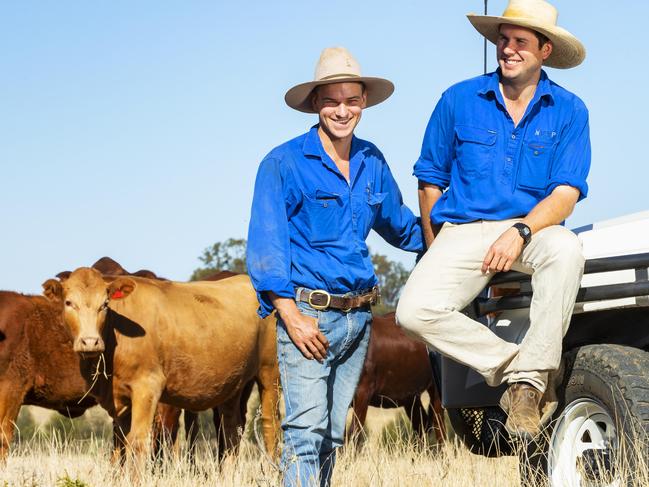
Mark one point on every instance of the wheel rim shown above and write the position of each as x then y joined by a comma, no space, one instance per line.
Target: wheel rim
583,436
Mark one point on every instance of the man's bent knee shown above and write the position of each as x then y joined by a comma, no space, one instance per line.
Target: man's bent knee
563,246
416,321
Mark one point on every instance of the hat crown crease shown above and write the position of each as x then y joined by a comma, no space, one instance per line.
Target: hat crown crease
541,11
334,62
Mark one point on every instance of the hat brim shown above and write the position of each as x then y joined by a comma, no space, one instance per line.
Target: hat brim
378,90
567,50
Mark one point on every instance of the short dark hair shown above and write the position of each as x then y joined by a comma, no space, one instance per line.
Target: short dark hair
542,39
363,88
314,91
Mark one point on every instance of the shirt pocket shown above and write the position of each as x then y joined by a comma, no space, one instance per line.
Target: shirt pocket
373,206
324,216
375,199
474,149
536,161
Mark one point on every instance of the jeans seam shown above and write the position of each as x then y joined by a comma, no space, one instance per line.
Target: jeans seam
347,341
287,435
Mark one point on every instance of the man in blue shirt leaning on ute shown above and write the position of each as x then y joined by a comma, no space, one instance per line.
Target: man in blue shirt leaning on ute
503,163
316,199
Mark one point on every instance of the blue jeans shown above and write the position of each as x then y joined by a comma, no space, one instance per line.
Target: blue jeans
317,395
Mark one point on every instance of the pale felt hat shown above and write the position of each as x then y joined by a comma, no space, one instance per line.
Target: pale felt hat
337,65
538,15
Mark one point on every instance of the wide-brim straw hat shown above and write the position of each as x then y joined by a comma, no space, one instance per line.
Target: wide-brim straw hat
337,65
538,15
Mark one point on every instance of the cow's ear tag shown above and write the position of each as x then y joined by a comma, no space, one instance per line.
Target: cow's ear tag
117,295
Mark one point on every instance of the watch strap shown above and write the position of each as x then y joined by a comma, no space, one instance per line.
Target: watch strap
524,231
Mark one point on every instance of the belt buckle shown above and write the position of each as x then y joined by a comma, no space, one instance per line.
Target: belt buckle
319,307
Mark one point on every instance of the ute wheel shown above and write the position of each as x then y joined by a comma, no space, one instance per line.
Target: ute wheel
598,436
482,430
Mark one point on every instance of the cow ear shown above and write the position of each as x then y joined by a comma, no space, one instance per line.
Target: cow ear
121,288
53,290
63,276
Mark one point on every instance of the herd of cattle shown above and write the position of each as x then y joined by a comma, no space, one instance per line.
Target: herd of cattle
145,348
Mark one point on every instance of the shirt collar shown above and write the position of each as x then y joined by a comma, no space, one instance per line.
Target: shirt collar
491,86
312,144
313,147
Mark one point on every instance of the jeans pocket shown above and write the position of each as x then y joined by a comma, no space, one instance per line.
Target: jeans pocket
306,309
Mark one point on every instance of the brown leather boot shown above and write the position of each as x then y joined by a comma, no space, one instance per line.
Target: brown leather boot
521,403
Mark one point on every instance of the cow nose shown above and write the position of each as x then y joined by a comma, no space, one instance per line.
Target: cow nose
91,344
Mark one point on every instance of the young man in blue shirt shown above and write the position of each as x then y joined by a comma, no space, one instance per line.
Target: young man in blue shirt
504,161
316,198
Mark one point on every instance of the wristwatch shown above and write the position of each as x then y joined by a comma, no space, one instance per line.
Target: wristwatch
524,231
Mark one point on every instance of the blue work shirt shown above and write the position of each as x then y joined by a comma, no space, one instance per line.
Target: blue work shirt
494,170
308,225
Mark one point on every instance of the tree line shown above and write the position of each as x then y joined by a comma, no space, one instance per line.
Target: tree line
230,255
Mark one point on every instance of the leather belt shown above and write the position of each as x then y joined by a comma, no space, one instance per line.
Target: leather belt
321,300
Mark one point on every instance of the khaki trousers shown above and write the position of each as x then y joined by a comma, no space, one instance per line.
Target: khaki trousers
449,277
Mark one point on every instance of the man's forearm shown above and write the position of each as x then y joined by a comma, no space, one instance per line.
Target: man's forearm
553,209
286,307
428,196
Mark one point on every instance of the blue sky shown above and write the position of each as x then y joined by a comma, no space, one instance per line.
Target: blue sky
134,129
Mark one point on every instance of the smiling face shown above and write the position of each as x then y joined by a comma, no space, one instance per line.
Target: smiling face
520,55
339,107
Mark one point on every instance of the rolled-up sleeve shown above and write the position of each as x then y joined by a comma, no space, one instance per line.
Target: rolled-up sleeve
572,157
435,160
395,222
268,251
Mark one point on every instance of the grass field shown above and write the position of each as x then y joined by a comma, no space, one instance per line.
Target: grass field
86,463
391,456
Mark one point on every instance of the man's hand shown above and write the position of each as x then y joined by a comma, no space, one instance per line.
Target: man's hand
303,330
306,335
503,252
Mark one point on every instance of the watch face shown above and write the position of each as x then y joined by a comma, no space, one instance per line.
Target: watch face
524,231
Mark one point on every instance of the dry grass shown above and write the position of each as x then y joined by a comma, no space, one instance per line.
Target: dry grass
86,463
390,457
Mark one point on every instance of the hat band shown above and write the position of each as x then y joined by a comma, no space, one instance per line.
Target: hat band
339,75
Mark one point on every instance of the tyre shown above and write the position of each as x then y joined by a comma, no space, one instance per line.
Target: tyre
482,430
598,436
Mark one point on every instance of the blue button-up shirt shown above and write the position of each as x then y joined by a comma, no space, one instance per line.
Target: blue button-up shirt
494,170
308,224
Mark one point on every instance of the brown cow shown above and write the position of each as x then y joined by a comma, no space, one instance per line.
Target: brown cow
191,345
37,363
168,417
397,370
38,366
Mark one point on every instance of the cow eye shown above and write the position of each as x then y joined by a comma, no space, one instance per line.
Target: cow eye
68,303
